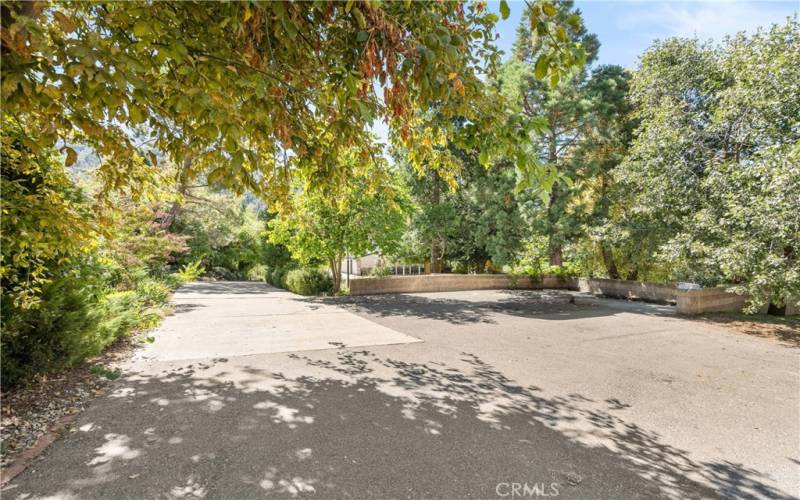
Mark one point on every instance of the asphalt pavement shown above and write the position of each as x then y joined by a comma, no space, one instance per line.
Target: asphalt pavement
249,391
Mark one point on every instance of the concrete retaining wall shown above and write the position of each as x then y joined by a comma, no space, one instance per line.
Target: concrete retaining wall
687,301
710,300
793,307
627,289
451,283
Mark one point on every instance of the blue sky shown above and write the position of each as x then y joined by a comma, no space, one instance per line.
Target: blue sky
627,28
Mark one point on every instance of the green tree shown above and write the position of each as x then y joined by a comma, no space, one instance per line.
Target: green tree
480,220
249,95
46,219
712,178
362,216
222,230
233,87
604,143
564,113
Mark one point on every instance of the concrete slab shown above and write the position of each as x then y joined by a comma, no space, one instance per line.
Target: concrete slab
244,318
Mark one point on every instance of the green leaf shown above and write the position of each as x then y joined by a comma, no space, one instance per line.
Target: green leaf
574,21
549,9
360,19
504,10
540,69
483,158
65,22
141,28
136,115
216,175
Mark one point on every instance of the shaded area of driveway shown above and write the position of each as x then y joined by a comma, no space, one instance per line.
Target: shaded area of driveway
475,406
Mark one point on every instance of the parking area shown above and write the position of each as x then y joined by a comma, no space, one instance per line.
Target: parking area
469,394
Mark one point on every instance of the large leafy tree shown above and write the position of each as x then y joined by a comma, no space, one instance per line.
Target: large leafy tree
712,179
245,90
480,220
563,113
605,139
46,220
364,215
254,96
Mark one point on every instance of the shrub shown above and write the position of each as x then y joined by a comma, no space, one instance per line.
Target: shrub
278,276
59,332
308,282
224,274
188,273
152,292
460,267
281,279
380,272
77,317
273,278
258,272
121,313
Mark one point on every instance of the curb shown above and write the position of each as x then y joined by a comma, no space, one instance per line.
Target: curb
48,438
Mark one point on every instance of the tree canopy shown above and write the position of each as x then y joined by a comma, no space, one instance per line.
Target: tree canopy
251,93
711,180
367,215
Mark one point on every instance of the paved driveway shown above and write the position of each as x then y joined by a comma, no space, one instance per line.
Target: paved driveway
249,391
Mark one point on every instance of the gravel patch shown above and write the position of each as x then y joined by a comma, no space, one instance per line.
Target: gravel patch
28,412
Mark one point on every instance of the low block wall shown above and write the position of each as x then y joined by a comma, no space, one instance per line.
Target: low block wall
687,301
627,289
451,283
710,300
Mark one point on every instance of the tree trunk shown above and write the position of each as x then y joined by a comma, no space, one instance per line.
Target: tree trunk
436,254
556,258
336,273
608,261
633,274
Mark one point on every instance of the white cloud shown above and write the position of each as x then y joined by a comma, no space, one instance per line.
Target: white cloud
703,19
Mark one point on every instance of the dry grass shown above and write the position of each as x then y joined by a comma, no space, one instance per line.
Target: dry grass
785,330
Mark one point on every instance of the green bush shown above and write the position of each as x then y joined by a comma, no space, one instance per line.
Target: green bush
61,331
121,313
258,272
77,317
152,292
281,278
186,274
380,272
273,276
308,282
278,275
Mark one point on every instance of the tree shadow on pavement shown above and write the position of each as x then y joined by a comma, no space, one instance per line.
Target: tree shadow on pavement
228,287
364,427
539,304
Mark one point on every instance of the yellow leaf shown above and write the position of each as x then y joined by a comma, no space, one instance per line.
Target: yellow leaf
458,86
72,157
452,76
247,13
66,23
